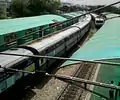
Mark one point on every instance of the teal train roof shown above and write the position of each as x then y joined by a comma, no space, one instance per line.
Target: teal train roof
105,44
18,24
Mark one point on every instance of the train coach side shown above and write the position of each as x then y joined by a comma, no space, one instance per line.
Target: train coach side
55,45
59,44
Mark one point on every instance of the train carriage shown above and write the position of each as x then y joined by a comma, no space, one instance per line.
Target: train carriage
14,32
8,77
54,45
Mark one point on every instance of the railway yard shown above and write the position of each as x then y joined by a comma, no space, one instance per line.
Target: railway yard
64,43
58,90
74,56
40,87
54,89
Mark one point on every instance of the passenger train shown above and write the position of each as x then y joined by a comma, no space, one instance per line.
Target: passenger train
98,20
52,45
17,31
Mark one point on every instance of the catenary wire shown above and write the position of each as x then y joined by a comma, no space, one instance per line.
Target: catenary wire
62,58
68,78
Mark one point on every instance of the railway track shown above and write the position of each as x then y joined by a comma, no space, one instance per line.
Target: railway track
73,92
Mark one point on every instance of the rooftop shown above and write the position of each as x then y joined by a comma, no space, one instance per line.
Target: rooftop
18,24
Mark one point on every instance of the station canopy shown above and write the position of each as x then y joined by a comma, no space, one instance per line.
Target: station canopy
105,43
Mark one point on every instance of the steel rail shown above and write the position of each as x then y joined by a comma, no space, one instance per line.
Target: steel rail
87,89
62,58
67,78
75,79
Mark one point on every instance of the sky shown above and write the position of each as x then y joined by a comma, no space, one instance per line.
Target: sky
91,2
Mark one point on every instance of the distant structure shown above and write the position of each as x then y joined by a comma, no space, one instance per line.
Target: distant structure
4,4
66,4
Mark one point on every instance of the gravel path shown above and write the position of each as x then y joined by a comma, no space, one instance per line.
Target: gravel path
53,87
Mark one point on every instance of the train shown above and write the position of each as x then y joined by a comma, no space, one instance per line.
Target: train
53,45
15,32
98,20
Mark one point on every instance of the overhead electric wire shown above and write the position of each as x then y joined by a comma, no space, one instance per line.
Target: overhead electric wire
67,78
64,78
66,21
75,79
62,58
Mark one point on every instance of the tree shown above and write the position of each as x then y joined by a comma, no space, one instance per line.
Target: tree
52,5
22,8
19,8
64,8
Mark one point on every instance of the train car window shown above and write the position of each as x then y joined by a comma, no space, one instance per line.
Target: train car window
46,51
28,31
11,37
99,21
42,52
2,76
67,38
42,61
50,49
77,33
22,64
72,35
40,29
6,38
57,44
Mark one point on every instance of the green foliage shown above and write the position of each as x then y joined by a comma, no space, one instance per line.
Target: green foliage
69,8
2,15
21,8
64,8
